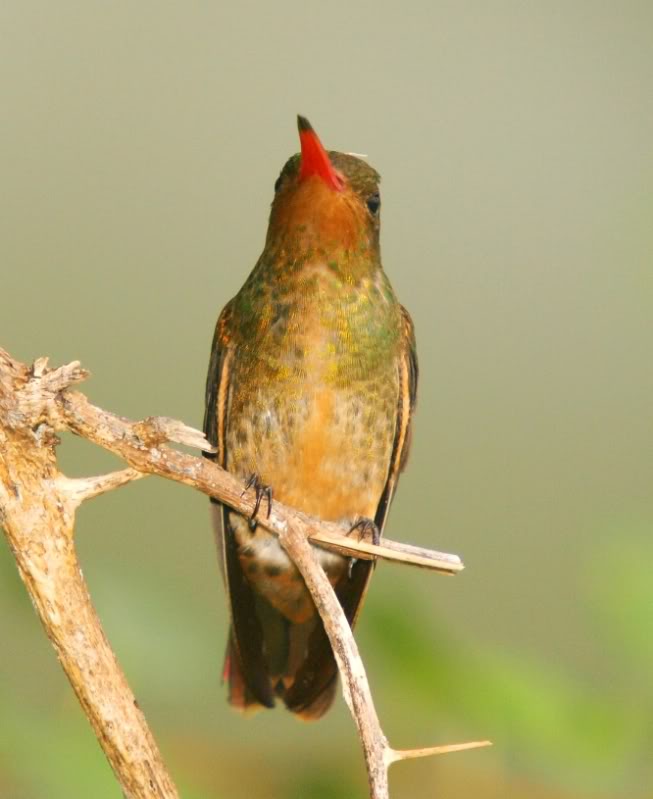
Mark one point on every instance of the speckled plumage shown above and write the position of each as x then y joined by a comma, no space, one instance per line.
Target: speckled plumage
311,385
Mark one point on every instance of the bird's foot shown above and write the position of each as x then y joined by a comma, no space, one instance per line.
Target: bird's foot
261,490
366,528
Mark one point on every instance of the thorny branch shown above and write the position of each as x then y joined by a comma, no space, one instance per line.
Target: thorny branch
37,510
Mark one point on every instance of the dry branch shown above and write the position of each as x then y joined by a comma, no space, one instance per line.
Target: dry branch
37,507
143,446
37,511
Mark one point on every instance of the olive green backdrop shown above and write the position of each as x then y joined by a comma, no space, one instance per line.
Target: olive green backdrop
139,143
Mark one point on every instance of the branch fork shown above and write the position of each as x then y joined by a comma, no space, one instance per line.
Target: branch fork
37,509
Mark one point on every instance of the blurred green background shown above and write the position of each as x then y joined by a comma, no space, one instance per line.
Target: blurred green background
139,143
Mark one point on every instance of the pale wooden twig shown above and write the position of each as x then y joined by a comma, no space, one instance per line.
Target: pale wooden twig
37,513
41,395
80,489
407,754
379,755
387,550
142,445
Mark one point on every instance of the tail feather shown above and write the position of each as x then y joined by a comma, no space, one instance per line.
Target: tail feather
318,705
269,656
310,700
240,697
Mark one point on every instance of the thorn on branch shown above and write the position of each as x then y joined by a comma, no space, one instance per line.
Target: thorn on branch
80,489
156,430
394,755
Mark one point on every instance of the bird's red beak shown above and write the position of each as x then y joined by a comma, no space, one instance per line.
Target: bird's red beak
315,159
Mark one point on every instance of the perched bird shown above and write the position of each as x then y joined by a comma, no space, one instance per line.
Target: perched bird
309,398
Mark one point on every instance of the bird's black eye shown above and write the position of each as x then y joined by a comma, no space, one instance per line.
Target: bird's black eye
374,203
277,184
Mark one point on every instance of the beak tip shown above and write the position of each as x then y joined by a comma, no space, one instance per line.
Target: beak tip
303,124
314,158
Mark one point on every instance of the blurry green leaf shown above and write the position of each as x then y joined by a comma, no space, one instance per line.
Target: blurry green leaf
531,710
321,783
620,589
70,761
56,740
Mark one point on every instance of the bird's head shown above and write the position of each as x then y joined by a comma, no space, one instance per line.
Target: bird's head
325,202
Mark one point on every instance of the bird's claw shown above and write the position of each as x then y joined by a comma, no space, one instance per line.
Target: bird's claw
261,490
366,528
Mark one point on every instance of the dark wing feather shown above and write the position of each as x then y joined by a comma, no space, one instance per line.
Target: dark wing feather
408,377
319,670
247,630
215,382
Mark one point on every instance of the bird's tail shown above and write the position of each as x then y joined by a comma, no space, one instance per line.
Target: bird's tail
242,699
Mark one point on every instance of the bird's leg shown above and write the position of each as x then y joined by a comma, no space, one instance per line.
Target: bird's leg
261,491
366,528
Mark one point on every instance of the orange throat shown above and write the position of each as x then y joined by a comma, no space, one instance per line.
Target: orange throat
317,214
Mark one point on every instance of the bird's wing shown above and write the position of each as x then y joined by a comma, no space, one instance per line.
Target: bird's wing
317,674
217,386
247,633
408,375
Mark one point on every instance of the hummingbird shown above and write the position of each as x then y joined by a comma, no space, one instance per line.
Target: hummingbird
310,394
